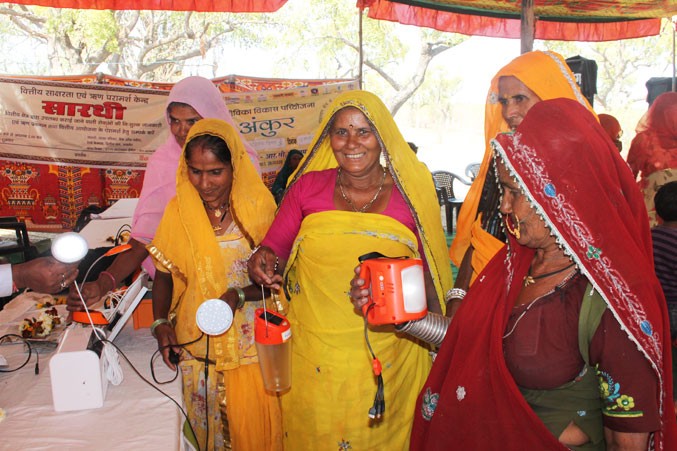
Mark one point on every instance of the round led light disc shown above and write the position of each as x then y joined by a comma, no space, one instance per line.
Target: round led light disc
214,317
69,247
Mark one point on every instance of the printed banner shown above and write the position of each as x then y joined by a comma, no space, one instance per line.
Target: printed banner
66,146
107,126
84,125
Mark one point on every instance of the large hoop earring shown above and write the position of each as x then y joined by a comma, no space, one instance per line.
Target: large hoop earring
514,231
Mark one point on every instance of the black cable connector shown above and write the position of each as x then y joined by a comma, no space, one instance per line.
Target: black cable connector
378,408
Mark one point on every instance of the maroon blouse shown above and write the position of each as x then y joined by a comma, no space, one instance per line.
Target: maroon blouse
542,353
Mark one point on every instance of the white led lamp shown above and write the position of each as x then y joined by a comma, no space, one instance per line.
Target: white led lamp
214,317
69,247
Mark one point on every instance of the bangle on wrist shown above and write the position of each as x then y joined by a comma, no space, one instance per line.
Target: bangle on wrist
111,277
158,322
240,297
455,293
254,251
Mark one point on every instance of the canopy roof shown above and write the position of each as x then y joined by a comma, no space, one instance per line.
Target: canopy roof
569,20
593,20
235,6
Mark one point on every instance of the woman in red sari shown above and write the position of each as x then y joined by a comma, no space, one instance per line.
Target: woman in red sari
563,340
653,152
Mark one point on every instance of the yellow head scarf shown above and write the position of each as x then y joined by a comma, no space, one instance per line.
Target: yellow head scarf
411,177
547,75
185,242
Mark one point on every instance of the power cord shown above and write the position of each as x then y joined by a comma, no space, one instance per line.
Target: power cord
117,239
207,394
378,408
111,360
28,358
183,412
159,350
111,363
124,228
175,356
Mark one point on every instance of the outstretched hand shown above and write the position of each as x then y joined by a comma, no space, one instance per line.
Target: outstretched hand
44,275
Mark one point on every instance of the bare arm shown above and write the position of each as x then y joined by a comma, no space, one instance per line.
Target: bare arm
123,265
625,441
462,281
431,294
162,301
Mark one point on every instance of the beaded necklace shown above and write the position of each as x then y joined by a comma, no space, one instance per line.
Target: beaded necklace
368,205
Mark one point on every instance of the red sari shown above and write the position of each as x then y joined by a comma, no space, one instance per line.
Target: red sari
581,187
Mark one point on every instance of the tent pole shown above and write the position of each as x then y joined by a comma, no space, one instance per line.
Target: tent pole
674,76
359,77
527,26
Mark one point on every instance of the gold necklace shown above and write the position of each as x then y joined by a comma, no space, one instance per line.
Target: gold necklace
217,227
559,285
368,205
530,280
218,211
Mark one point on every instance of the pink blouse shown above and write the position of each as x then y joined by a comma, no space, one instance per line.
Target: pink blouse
314,193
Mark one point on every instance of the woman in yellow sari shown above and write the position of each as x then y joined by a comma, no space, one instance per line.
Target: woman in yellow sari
340,204
526,80
221,211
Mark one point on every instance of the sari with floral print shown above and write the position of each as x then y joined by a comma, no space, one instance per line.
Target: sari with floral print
203,266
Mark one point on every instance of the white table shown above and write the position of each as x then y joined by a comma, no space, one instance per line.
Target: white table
134,415
109,223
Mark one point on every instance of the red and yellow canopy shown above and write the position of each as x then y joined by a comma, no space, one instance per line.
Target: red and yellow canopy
569,20
235,6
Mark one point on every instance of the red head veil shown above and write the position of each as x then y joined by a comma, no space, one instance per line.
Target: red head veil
576,180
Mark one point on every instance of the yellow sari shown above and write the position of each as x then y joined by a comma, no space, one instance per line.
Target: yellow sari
333,385
203,266
547,75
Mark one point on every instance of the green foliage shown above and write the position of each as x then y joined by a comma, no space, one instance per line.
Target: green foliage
147,45
326,43
318,38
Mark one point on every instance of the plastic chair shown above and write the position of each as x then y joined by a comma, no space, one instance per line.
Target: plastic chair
472,170
444,184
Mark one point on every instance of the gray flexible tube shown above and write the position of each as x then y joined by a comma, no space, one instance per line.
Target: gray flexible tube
432,328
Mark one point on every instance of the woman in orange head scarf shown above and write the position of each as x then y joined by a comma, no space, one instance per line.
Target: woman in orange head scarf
526,80
563,343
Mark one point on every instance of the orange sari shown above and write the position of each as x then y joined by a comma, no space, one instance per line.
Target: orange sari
547,75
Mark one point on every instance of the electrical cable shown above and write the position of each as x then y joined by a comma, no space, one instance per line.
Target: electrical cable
111,360
113,298
183,412
111,363
28,358
207,393
378,408
157,351
123,228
